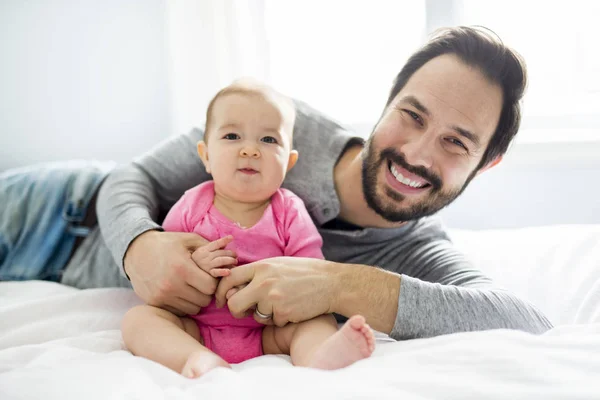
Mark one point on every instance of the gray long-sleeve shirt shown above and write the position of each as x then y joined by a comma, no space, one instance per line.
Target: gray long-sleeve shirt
440,293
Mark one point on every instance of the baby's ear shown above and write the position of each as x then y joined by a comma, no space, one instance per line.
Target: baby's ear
203,153
292,159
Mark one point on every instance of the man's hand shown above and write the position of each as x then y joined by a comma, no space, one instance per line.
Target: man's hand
163,271
293,289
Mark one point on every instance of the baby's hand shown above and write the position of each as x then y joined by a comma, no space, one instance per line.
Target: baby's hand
213,259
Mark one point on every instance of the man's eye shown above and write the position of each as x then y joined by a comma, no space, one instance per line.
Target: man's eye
231,136
415,116
457,143
269,139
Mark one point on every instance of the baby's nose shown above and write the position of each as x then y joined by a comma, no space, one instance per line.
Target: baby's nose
249,151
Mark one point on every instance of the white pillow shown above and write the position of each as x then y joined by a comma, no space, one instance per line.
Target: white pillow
557,268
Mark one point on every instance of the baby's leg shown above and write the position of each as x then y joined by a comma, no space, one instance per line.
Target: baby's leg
317,343
174,342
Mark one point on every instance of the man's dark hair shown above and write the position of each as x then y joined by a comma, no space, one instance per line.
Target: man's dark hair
479,48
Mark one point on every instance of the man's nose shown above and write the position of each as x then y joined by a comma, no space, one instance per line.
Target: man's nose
250,151
419,150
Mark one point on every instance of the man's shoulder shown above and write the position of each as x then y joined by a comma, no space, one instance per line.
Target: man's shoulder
316,129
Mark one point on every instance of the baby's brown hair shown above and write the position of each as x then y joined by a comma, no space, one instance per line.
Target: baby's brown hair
251,87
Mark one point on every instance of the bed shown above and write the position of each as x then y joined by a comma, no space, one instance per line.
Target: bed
58,342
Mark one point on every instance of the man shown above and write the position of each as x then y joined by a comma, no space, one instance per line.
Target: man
451,114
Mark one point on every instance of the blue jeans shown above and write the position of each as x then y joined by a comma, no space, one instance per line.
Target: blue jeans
41,207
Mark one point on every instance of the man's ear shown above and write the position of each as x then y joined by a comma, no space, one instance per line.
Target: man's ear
203,153
491,164
292,159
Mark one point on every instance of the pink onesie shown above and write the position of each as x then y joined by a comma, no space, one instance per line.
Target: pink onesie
285,229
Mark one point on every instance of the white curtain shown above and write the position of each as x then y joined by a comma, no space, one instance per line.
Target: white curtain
559,41
211,42
339,56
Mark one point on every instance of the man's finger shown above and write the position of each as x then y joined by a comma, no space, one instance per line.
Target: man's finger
279,321
186,306
239,276
180,307
264,308
174,311
193,241
233,291
194,296
200,280
245,299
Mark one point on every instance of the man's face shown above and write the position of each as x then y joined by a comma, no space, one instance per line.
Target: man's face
425,148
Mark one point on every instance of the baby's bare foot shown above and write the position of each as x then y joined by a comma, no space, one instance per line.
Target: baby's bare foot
200,362
353,342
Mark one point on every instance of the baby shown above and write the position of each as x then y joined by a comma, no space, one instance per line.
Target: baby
247,149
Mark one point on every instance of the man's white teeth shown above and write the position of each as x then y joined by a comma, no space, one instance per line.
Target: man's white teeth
404,180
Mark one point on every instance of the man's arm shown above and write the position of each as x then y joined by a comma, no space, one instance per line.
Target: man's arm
462,299
134,196
368,291
406,307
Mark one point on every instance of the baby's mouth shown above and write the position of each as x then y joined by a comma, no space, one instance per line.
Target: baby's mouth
248,171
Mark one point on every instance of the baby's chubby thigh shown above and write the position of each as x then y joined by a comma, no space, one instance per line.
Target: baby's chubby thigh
149,317
276,340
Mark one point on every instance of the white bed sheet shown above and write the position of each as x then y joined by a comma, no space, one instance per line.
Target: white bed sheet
556,267
61,343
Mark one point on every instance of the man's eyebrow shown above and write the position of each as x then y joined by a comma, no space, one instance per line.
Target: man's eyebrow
412,100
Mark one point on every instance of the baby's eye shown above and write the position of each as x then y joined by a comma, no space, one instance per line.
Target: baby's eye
231,136
269,139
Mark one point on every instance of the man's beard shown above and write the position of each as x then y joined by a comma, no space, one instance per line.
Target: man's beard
394,212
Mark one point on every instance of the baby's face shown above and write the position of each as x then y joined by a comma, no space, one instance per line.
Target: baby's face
249,147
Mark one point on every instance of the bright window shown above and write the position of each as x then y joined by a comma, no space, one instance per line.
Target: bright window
559,42
341,56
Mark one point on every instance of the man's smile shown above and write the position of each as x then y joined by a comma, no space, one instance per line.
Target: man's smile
403,181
